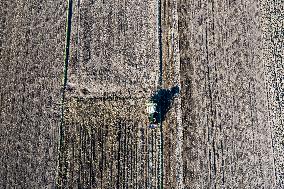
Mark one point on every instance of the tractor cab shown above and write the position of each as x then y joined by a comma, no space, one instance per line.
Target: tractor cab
153,115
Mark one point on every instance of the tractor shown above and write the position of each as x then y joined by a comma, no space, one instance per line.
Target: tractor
153,115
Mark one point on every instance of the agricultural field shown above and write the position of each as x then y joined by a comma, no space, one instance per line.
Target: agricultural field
76,77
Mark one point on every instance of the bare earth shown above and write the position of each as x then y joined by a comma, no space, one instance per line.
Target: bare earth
224,129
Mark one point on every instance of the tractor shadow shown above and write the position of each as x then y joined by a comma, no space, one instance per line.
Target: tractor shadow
164,99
